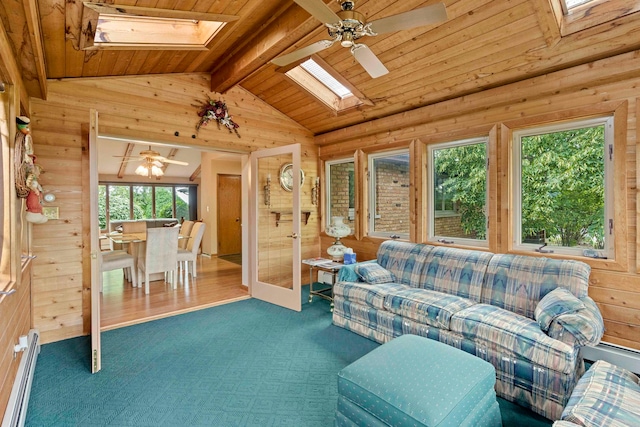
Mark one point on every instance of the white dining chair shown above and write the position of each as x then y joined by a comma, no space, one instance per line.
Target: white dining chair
190,254
116,260
160,255
133,227
185,230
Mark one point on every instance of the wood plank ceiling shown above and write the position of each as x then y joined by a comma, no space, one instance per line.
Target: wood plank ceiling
483,44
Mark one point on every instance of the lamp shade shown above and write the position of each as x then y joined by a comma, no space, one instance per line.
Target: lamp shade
338,228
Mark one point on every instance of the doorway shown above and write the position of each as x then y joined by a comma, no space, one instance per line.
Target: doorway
229,216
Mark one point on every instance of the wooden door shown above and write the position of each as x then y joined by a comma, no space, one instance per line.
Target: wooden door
229,214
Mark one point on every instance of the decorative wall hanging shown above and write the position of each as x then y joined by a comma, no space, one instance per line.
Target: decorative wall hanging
216,110
27,172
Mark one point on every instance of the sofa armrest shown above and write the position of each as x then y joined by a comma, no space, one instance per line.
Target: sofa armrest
348,272
581,328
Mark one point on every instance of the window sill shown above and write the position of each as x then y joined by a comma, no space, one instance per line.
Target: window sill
595,263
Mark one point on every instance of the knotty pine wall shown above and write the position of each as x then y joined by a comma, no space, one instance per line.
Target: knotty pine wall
147,108
610,82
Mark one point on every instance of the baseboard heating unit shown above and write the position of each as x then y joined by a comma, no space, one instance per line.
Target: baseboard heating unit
624,357
16,412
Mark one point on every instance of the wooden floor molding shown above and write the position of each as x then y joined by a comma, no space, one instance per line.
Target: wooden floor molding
218,282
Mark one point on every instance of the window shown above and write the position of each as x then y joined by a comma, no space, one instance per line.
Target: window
145,201
577,15
457,191
563,188
340,179
389,210
568,5
327,85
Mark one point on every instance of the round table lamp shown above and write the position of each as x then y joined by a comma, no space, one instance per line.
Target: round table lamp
337,230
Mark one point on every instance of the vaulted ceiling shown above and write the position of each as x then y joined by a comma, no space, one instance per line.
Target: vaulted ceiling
483,44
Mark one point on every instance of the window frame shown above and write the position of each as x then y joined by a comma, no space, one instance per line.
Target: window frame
430,214
590,14
327,193
371,193
608,120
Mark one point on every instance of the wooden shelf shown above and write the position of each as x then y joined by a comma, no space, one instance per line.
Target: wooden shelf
279,214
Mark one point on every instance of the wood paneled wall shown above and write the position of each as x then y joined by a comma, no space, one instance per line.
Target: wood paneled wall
144,108
613,81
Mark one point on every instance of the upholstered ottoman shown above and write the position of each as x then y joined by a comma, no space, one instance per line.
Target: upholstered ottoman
415,381
606,395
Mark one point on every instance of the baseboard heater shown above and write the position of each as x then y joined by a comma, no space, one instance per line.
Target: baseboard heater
624,357
16,412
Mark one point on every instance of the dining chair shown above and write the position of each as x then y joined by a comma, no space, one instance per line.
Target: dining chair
115,260
133,227
190,254
160,255
185,230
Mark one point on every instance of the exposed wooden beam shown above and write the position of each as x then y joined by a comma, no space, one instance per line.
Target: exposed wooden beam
123,163
195,174
9,71
32,14
280,33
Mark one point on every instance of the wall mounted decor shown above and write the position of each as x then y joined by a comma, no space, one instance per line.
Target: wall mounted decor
216,110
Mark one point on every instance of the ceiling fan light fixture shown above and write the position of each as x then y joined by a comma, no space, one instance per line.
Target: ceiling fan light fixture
142,170
347,39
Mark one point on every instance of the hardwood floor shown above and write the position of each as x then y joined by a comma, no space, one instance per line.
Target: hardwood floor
218,282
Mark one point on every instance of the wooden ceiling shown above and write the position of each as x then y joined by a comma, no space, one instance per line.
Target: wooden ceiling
483,44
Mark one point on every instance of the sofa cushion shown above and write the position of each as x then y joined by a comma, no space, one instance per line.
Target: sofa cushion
405,260
517,283
606,395
425,306
366,294
584,327
455,271
515,336
558,301
374,274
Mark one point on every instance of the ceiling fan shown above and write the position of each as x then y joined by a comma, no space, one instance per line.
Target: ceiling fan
348,25
152,162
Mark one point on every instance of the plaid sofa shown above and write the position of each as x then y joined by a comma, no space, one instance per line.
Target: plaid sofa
527,316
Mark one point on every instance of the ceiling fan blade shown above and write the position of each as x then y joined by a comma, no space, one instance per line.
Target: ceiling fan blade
175,162
433,14
369,60
283,60
319,10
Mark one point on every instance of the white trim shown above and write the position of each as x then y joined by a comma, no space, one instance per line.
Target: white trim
607,122
373,214
431,214
624,357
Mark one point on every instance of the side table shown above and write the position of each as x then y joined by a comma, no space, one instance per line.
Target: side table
325,292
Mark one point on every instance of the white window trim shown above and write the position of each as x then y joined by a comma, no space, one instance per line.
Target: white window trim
372,213
327,177
607,121
432,237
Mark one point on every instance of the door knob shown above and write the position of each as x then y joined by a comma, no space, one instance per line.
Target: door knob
237,219
293,236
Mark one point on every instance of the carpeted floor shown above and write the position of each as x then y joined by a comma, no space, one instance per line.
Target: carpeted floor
248,363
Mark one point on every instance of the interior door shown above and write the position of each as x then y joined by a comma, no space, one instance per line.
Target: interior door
275,218
96,356
229,214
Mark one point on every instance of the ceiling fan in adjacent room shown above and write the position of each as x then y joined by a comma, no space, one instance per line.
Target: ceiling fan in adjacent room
348,25
152,163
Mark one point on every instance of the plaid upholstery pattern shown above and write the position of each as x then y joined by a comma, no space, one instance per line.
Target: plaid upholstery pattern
428,307
455,271
558,301
405,260
377,325
374,274
606,395
364,293
581,328
515,336
517,283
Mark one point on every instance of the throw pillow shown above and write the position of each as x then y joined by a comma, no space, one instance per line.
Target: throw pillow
374,274
557,302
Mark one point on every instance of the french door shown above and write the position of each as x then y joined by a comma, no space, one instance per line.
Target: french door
275,217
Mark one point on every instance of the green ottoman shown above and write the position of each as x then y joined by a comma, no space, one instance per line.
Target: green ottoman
415,381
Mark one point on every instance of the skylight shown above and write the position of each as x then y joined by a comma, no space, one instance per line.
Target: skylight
141,31
570,4
326,79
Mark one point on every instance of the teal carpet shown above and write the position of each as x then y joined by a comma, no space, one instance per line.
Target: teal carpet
248,363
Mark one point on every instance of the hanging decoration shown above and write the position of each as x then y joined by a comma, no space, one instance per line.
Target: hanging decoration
216,110
27,172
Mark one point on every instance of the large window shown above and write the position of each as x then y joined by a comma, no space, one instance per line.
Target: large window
145,201
340,179
563,188
457,189
389,202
